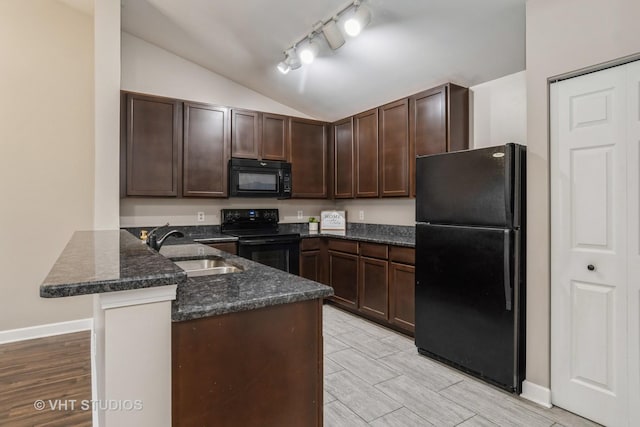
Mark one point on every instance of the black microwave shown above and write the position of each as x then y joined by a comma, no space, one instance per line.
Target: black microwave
259,178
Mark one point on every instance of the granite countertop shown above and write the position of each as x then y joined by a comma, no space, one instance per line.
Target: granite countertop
396,235
255,287
106,261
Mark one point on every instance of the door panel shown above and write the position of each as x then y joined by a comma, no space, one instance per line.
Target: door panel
591,185
589,246
633,233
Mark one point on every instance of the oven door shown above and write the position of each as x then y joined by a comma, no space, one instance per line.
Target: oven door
283,254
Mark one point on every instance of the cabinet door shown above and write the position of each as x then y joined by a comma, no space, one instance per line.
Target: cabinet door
245,134
373,287
310,265
206,150
153,146
366,141
394,149
274,137
343,278
402,308
308,148
343,159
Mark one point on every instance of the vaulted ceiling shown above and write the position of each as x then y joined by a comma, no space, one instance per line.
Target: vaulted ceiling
409,45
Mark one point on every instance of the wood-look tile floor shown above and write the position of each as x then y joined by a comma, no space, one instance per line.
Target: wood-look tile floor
53,369
375,376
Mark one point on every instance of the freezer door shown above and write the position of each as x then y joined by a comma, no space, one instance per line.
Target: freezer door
474,187
467,310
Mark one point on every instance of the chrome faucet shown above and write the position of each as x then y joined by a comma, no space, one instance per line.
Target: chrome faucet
155,243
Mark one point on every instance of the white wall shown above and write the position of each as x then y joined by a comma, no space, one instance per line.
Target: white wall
147,68
498,111
395,211
107,114
562,36
46,153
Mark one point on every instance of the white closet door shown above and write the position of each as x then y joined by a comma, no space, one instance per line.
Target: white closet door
589,246
633,265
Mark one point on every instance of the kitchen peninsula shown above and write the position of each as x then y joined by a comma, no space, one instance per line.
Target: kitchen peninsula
231,349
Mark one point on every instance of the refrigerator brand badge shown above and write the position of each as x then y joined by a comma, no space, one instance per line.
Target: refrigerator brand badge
498,155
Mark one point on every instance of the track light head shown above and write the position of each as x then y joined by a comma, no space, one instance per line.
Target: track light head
308,52
333,35
283,67
357,21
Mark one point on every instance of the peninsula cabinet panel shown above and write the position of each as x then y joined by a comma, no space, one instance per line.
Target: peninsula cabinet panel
366,142
206,150
245,134
274,137
402,296
153,146
308,148
343,150
343,278
373,290
394,149
259,367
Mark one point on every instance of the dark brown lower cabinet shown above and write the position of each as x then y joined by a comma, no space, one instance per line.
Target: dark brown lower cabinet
343,278
402,307
259,367
374,287
376,281
311,259
231,247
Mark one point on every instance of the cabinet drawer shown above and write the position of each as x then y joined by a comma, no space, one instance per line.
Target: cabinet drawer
402,255
374,250
226,246
312,244
343,246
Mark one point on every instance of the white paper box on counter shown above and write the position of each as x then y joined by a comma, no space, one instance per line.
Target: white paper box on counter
333,222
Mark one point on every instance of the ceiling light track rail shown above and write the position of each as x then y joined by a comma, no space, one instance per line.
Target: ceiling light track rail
305,49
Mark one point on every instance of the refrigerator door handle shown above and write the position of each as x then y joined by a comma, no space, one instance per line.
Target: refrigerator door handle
507,270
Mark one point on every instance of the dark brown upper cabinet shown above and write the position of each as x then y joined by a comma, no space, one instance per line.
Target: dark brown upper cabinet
245,134
343,156
153,145
308,148
394,149
366,143
438,121
257,135
206,150
274,137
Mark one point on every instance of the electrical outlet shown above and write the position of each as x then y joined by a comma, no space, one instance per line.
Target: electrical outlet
300,214
361,215
200,217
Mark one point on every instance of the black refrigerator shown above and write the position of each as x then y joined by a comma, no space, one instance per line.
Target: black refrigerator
470,262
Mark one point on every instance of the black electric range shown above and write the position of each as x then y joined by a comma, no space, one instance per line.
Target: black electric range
259,237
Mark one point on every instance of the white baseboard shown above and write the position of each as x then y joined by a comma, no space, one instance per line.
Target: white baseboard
47,330
536,394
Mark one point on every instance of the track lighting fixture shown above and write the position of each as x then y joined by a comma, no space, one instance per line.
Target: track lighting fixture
305,50
358,20
308,52
332,34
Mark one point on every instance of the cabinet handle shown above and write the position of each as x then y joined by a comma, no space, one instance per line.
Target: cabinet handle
591,267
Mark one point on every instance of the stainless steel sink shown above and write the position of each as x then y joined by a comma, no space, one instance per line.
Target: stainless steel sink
206,267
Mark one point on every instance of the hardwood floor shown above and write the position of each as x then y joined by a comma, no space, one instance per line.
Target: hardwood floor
55,370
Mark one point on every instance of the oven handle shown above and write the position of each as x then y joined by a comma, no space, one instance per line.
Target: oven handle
267,242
